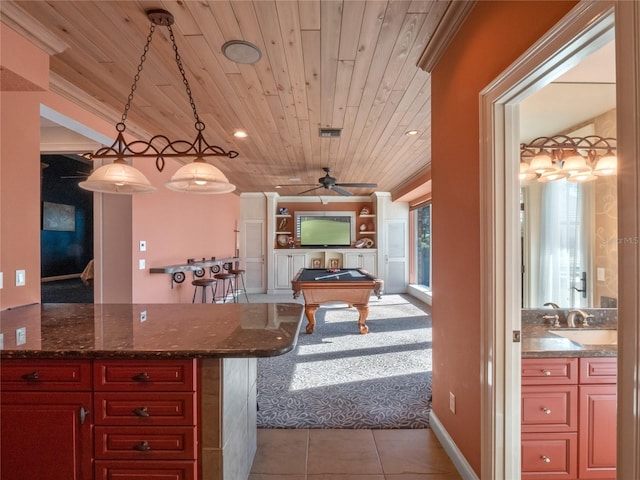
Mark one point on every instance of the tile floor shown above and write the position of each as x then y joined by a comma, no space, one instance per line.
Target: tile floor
350,455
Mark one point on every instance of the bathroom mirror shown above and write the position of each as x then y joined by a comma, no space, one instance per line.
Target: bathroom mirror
569,239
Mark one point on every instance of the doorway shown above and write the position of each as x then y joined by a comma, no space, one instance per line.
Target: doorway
587,28
66,235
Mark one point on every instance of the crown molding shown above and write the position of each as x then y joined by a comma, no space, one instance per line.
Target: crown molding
31,29
445,31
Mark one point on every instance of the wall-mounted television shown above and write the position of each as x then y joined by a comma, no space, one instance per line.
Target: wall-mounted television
325,229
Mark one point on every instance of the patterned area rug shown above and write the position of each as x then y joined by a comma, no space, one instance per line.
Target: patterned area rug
337,378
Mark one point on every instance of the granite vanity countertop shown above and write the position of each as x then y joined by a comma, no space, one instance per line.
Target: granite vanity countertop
538,342
66,330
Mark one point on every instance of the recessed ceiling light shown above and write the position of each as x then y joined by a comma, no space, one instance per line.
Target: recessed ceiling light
278,186
240,134
240,51
294,179
411,132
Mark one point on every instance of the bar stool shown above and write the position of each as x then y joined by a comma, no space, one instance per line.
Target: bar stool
239,277
227,284
204,283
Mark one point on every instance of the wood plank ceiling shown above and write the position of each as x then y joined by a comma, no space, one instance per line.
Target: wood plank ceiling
350,65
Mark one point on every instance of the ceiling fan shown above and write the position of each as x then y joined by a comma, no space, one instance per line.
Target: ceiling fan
331,183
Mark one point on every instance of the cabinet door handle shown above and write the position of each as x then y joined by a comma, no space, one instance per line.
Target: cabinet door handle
546,373
143,446
546,411
82,414
31,377
141,377
545,459
141,412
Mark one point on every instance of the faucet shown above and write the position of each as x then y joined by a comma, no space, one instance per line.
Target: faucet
571,317
555,317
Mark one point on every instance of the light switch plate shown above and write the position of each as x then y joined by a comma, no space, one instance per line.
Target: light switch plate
21,335
143,245
600,273
142,264
20,278
1,280
143,316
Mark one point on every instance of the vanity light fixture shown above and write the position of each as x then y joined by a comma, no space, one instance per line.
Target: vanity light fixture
576,159
196,177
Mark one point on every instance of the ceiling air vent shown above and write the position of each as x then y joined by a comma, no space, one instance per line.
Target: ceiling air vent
330,132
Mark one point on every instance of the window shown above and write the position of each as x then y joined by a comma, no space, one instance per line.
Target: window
423,245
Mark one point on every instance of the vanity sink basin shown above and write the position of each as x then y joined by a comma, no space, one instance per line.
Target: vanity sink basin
589,337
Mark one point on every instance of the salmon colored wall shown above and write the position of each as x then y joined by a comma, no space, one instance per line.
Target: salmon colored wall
178,226
492,37
20,197
24,59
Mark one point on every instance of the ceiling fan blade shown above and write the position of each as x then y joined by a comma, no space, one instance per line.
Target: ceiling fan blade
341,191
360,185
311,190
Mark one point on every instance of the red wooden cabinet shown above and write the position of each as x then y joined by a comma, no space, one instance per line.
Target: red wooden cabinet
598,412
145,419
45,420
569,418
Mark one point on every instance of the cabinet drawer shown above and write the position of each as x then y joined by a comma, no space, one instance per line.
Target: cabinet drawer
145,443
144,375
551,456
118,470
549,371
46,375
552,408
598,370
152,409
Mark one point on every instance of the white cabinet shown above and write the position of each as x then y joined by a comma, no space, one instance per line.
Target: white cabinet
286,265
365,259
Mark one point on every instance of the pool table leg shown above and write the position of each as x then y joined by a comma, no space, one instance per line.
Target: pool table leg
363,312
310,312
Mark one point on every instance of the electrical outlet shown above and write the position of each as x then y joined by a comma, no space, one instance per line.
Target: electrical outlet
452,402
600,273
143,316
142,264
143,245
21,336
20,278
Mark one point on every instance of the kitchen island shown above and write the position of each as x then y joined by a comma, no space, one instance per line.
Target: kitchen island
135,391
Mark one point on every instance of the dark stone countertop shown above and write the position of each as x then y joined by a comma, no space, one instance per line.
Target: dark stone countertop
168,330
538,342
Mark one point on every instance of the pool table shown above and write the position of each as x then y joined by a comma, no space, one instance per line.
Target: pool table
350,285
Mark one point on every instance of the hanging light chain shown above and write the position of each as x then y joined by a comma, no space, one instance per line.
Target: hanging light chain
134,85
199,124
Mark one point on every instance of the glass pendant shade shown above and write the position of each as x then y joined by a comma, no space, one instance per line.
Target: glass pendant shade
552,176
607,165
525,175
200,177
118,177
541,163
574,164
581,177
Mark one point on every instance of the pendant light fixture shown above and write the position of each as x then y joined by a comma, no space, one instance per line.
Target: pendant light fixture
576,159
198,176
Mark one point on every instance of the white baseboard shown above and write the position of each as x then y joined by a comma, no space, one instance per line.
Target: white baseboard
461,464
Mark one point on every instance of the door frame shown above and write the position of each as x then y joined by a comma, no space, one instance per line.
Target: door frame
581,31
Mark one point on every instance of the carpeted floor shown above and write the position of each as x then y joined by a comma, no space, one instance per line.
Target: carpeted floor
66,291
337,378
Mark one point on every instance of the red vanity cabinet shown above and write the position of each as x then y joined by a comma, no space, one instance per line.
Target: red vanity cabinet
568,414
598,412
145,421
549,410
45,420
